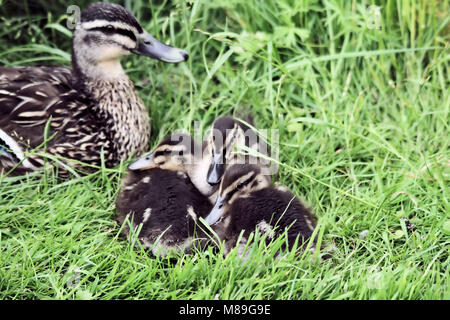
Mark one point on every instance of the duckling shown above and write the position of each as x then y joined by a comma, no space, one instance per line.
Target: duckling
91,108
160,194
228,134
248,201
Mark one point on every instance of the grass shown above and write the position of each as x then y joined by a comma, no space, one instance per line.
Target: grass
362,110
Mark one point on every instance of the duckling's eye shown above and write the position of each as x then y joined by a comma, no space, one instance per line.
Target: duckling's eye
109,27
166,151
240,186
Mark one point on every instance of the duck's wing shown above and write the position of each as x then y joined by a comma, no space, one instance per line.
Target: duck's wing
29,97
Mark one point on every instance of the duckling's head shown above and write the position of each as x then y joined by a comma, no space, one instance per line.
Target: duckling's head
226,133
107,31
238,181
176,152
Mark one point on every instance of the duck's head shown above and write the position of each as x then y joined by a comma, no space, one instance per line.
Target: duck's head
226,133
238,181
107,31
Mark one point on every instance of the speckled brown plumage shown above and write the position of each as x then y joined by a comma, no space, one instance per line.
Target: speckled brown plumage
107,116
92,109
127,121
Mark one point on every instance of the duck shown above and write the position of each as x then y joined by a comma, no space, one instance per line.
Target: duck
83,113
248,201
159,197
227,138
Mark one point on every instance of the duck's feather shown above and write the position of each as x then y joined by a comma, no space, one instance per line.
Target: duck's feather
32,96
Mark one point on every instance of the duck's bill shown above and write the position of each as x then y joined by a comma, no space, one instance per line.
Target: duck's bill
143,163
150,47
216,212
216,170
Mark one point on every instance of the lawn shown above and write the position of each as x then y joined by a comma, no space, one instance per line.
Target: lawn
358,93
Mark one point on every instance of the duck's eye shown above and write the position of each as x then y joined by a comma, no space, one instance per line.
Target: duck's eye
240,186
166,151
109,27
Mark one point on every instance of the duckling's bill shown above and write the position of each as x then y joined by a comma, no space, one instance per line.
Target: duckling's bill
216,169
216,212
143,163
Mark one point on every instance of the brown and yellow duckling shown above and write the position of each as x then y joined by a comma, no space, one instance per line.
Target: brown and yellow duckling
159,193
247,201
92,107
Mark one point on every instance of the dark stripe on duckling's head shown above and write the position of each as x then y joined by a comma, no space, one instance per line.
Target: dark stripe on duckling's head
172,153
178,144
237,177
236,171
222,132
224,123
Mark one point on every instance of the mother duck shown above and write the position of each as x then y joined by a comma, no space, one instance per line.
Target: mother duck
91,108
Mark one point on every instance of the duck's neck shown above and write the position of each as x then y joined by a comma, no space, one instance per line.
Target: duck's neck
124,115
120,109
114,100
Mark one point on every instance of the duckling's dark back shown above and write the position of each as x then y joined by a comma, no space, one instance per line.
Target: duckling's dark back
274,209
165,202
